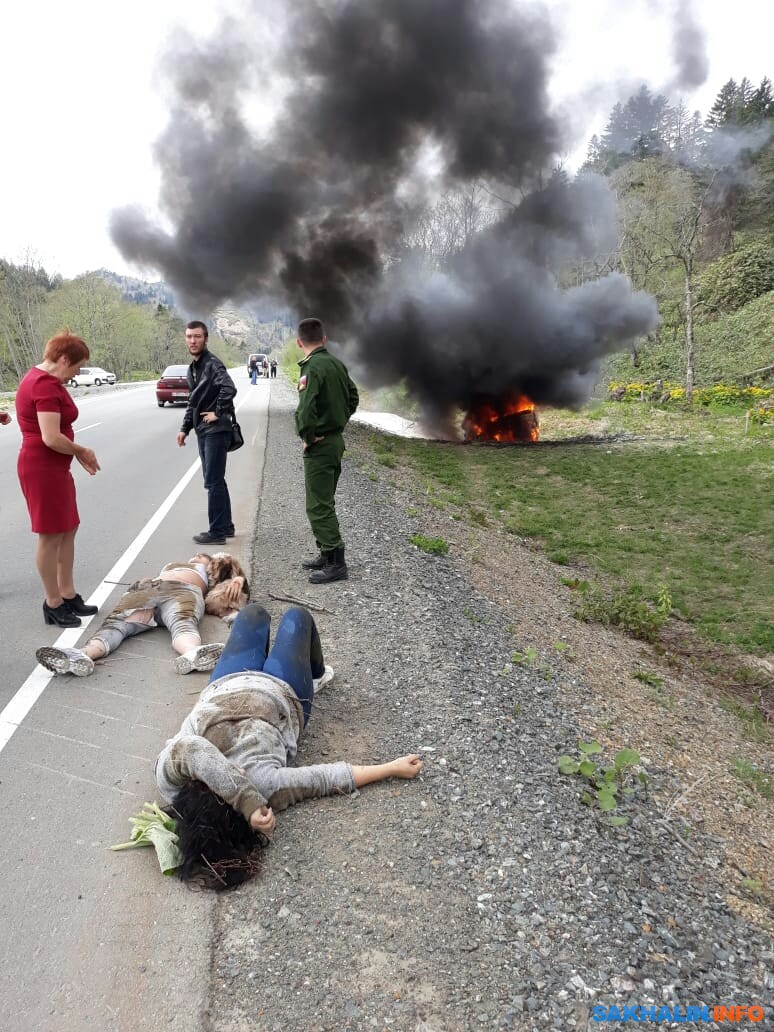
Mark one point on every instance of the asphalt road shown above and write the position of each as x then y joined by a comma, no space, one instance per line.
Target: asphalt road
93,939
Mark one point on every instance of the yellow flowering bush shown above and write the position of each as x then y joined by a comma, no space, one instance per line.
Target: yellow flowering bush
762,415
717,394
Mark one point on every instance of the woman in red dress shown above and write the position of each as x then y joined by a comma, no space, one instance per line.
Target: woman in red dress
46,413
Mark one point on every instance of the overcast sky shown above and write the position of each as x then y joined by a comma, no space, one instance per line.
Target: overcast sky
82,103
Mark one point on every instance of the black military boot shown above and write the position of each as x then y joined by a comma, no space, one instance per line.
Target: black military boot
314,564
334,569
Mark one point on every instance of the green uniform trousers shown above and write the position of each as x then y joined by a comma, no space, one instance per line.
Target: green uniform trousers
322,469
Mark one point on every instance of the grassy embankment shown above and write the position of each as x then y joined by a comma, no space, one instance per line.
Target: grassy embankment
673,510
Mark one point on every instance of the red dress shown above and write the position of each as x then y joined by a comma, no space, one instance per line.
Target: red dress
44,474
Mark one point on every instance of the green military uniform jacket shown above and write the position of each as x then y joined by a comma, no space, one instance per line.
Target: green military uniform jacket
327,397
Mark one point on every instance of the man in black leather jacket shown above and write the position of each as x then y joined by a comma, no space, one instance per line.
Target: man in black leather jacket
210,413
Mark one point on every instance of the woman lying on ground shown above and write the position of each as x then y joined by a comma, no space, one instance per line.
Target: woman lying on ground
177,598
226,772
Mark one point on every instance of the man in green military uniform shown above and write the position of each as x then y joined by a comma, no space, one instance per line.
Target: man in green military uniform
327,397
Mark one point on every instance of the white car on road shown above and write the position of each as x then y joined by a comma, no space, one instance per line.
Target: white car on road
89,376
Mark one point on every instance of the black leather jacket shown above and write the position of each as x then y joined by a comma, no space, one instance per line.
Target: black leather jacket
212,390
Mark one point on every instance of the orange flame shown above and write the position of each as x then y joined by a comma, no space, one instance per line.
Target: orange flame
508,420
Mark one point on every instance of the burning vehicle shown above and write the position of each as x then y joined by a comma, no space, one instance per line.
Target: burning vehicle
512,420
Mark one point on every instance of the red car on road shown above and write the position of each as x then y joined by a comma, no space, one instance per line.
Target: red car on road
173,386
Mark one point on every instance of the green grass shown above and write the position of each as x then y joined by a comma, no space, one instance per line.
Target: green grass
288,360
445,464
649,678
434,545
754,727
685,507
384,450
753,778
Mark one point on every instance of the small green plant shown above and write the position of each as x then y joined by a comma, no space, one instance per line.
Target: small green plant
651,679
627,608
755,779
386,459
412,511
478,517
558,556
468,613
373,476
434,546
527,658
605,785
663,602
563,648
752,885
574,583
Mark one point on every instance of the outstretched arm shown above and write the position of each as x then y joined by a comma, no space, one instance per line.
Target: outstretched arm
293,784
404,767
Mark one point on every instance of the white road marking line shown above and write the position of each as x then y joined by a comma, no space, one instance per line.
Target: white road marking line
28,694
89,427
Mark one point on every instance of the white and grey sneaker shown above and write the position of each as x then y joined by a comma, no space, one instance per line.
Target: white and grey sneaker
65,661
204,657
325,679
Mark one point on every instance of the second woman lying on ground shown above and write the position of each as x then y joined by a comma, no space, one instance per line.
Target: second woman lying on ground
178,599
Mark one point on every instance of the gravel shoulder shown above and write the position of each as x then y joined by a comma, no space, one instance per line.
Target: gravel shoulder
482,895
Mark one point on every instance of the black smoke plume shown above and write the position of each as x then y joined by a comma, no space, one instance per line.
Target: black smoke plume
384,105
689,48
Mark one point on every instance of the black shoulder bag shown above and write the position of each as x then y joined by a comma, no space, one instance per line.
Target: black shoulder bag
237,440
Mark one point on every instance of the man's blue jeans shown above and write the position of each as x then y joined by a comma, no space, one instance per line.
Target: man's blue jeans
213,451
296,656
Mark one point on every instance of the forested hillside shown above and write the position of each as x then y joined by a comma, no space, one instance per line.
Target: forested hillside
696,208
131,326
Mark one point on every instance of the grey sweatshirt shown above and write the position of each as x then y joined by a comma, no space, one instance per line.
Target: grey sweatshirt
237,740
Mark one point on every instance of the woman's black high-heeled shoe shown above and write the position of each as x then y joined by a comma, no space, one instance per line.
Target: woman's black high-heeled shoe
61,615
78,606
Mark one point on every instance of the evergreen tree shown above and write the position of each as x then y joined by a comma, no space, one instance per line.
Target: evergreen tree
723,109
637,129
684,134
741,105
593,155
761,103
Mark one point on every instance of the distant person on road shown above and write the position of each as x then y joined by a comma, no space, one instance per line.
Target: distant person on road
225,772
253,369
266,368
327,398
5,418
274,368
210,413
178,598
46,413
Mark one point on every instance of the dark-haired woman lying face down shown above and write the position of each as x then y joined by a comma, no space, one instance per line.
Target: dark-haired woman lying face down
225,772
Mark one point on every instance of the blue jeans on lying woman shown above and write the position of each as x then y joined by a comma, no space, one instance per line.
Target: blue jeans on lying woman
296,656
